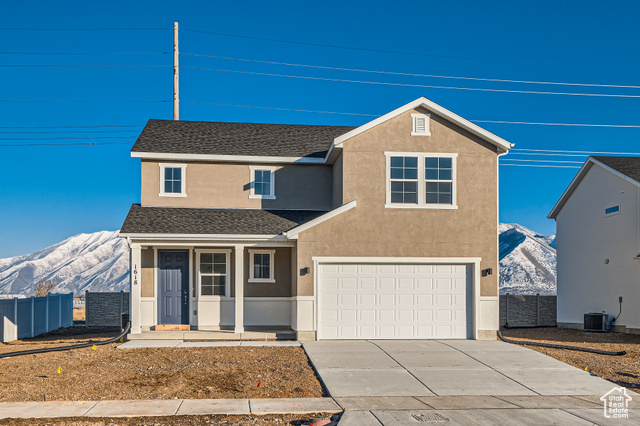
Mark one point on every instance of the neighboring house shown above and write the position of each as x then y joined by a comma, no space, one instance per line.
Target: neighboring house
387,230
598,237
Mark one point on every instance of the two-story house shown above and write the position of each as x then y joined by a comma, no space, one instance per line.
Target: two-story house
384,231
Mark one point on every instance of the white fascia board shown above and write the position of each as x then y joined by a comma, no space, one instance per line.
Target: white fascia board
435,108
226,158
293,233
202,237
578,178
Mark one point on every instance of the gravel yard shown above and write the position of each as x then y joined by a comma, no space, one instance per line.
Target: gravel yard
163,373
271,419
623,370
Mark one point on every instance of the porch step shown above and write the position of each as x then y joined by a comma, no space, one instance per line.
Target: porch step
213,335
172,327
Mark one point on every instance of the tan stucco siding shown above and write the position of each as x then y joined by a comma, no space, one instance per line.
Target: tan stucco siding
337,182
282,274
147,267
372,230
210,185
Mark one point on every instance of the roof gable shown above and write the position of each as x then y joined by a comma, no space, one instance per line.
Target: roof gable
433,107
626,168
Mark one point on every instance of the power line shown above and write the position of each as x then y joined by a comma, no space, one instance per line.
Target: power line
2,132
69,127
377,115
537,165
494,80
632,126
381,83
363,49
83,29
85,137
574,152
65,144
84,53
80,66
279,109
70,101
545,161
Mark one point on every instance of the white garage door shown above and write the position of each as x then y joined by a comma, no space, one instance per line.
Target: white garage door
393,301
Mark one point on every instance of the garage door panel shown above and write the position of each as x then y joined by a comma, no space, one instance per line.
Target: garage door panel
368,283
387,301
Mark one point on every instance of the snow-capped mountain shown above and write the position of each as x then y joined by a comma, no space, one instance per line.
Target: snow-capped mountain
94,262
100,262
527,261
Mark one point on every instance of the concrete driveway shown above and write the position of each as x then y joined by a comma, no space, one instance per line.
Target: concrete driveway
393,382
354,368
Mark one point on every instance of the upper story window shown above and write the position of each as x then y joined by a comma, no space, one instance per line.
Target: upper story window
263,183
261,266
419,180
173,180
420,125
613,210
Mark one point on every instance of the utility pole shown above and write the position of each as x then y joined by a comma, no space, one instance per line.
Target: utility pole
176,71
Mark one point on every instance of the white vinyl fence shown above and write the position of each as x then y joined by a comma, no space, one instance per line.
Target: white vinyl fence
31,316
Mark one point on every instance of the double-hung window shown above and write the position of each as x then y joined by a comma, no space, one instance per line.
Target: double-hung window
213,272
420,180
263,183
261,266
404,180
173,180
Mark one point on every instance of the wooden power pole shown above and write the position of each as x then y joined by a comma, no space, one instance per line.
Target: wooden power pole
176,72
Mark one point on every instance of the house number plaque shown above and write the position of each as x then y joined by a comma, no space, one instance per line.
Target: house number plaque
135,274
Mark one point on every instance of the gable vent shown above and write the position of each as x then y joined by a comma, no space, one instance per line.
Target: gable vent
420,125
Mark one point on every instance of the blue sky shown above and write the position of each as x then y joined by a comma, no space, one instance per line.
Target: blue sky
49,193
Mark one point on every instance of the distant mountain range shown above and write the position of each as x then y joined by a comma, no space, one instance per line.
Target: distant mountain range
94,262
527,261
100,262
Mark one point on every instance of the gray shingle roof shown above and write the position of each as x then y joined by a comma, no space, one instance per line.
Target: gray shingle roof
629,166
215,138
172,220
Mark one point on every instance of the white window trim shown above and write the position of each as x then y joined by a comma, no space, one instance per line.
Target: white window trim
183,182
271,253
422,204
252,194
227,290
427,131
619,206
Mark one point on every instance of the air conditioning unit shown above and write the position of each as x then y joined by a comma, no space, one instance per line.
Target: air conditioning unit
596,322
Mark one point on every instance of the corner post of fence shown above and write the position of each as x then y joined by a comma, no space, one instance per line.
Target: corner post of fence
538,308
121,302
46,310
60,310
506,316
33,316
15,313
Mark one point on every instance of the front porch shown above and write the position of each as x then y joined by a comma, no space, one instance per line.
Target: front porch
217,290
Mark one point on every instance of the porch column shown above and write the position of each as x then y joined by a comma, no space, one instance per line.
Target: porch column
135,276
239,286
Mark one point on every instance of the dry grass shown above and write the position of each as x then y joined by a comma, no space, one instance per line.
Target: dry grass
160,373
79,314
623,370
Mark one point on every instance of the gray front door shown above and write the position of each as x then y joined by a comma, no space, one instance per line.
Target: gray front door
173,284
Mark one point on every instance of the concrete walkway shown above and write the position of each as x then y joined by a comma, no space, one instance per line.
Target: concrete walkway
391,368
171,407
138,344
388,411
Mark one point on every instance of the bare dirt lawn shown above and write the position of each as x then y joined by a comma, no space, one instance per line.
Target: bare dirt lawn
272,419
623,370
163,373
